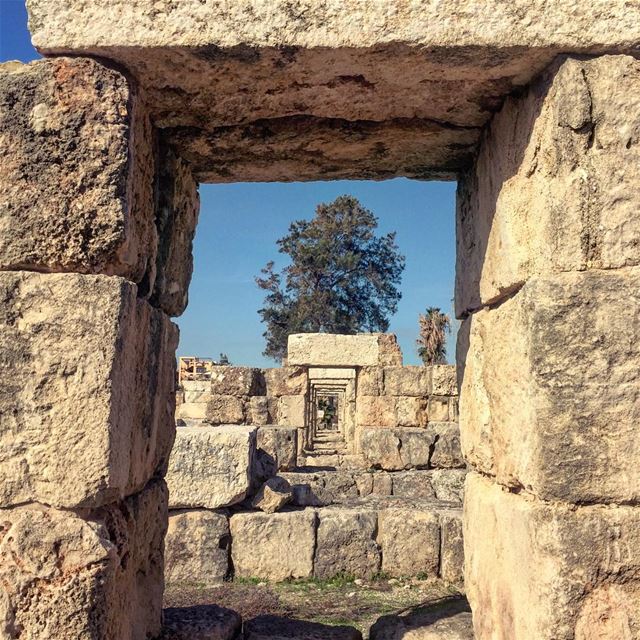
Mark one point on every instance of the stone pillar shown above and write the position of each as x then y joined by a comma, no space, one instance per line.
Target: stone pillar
94,256
547,286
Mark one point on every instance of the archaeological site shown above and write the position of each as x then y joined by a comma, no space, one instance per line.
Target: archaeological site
511,480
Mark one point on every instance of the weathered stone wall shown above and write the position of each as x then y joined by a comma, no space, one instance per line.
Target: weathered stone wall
547,358
88,279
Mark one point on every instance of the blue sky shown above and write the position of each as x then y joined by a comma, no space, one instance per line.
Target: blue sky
240,223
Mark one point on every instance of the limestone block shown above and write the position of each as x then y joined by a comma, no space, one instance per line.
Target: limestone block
577,568
197,547
555,407
443,380
448,484
451,548
274,546
371,381
382,483
447,453
397,449
192,411
259,410
286,381
277,449
237,381
332,350
322,487
177,210
413,484
200,622
407,381
95,172
374,411
450,620
95,576
224,410
210,467
411,412
439,409
268,627
292,411
196,390
87,393
346,543
565,196
274,494
410,541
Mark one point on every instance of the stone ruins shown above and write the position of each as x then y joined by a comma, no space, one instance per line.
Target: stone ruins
533,106
378,489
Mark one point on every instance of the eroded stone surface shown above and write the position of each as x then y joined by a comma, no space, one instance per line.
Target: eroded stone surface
333,350
277,628
176,209
76,184
410,541
555,185
554,408
286,542
451,548
277,449
440,69
397,449
211,467
274,494
203,622
197,547
95,576
237,381
86,395
346,543
554,550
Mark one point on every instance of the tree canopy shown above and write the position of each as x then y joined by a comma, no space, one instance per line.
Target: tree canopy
342,276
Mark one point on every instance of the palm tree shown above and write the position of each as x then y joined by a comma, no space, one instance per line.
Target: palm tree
434,326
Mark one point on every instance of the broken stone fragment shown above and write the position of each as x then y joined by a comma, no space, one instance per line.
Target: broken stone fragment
274,494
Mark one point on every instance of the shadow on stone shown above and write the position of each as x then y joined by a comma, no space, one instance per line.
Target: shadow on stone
447,619
204,622
277,628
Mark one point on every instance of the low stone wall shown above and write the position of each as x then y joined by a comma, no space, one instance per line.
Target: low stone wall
322,522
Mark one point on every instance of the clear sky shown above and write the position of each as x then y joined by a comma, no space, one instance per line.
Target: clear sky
239,224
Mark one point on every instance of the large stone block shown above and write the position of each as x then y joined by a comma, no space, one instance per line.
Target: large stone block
443,380
397,449
211,467
410,541
277,449
200,622
292,411
286,381
555,406
447,452
370,381
95,575
555,186
76,183
564,572
451,548
323,487
332,350
274,546
197,547
346,543
224,410
407,381
237,381
86,397
391,411
177,207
